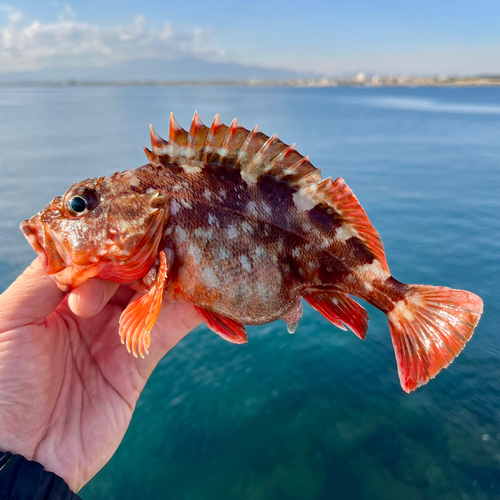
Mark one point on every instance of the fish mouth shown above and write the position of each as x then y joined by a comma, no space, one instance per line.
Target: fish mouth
42,241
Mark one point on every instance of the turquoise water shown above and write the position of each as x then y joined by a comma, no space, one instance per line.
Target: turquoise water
318,415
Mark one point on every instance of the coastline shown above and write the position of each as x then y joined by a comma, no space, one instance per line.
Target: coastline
358,81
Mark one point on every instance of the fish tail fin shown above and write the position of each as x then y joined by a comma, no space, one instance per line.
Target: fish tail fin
429,328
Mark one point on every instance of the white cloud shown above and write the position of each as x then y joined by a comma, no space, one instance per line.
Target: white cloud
67,42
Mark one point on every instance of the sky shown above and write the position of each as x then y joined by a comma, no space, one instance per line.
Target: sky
326,37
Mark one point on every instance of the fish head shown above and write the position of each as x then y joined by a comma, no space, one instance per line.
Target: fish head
108,228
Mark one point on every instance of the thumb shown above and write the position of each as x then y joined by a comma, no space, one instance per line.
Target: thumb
30,299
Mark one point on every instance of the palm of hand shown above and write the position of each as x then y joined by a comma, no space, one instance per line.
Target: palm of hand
68,387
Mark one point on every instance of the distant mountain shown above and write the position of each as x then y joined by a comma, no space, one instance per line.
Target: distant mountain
157,69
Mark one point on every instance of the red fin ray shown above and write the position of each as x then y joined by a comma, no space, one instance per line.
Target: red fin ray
340,309
138,319
196,138
429,328
228,329
214,140
340,197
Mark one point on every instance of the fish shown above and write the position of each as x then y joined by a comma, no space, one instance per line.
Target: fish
243,227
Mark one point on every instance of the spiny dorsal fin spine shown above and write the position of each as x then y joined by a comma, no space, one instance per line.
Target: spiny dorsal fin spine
152,157
242,154
207,147
311,178
235,136
177,137
216,138
196,138
267,153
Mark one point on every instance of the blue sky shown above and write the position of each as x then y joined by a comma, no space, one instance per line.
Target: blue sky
326,37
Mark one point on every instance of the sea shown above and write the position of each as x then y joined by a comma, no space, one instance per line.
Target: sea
318,415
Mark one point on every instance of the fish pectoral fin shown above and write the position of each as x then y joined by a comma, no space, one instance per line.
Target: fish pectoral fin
138,319
228,329
340,309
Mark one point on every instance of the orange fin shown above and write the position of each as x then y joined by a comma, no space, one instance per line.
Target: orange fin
227,328
138,319
429,328
339,196
339,309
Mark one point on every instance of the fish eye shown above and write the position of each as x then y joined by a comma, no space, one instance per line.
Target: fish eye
80,201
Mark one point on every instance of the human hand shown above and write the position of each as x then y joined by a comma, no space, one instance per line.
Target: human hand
68,387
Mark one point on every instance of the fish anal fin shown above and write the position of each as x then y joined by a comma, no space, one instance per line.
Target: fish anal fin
138,319
429,328
228,329
340,309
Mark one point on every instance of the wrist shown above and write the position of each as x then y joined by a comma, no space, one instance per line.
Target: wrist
23,479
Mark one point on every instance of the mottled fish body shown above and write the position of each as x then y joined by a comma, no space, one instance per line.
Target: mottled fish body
243,226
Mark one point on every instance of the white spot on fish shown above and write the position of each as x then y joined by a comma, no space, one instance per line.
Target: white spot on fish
196,254
267,208
124,226
222,193
212,220
303,201
306,227
373,270
224,253
185,203
134,181
207,194
296,252
203,233
209,277
260,251
247,228
252,208
312,264
176,188
174,207
368,286
343,233
232,232
181,234
245,263
222,152
190,169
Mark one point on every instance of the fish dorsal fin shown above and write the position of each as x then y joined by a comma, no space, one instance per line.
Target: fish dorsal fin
250,150
256,154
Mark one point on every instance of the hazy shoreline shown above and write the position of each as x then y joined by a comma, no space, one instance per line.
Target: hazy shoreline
360,80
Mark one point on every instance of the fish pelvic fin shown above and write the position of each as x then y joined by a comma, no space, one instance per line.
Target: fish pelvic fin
339,309
429,327
138,319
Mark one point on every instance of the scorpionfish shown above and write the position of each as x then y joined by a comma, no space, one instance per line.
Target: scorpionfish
243,227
